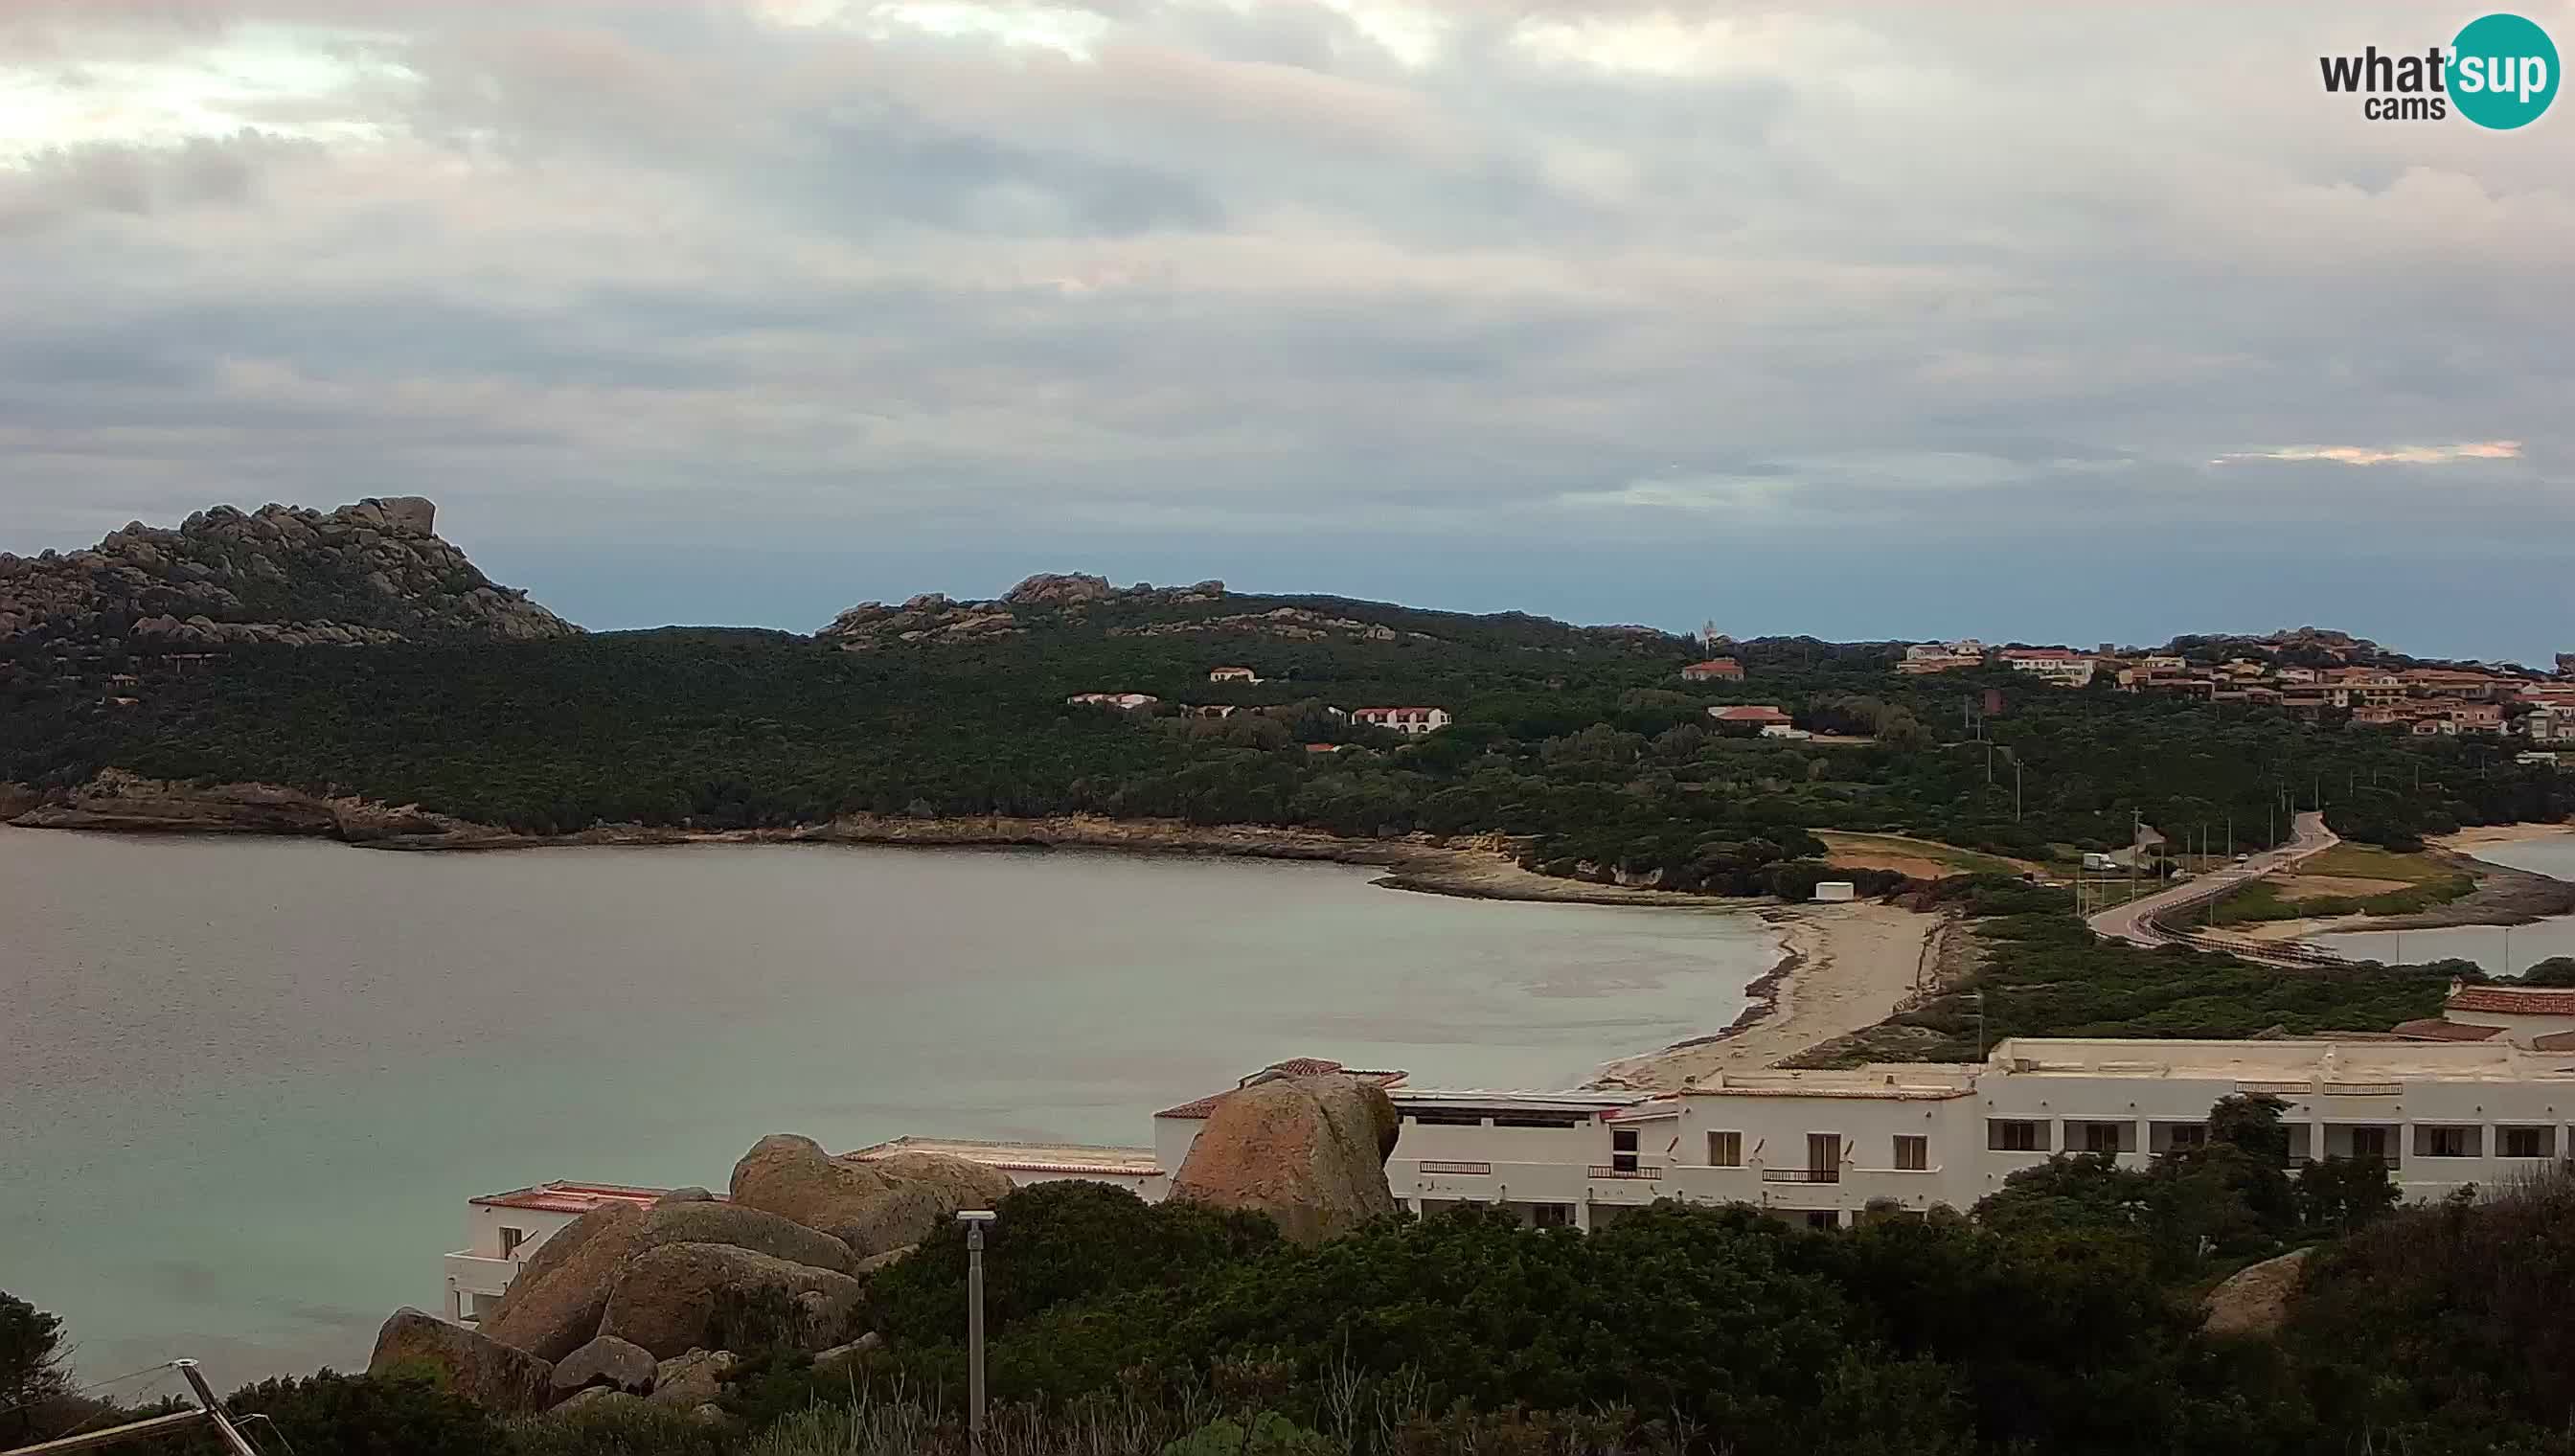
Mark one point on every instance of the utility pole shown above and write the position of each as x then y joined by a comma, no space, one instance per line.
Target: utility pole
975,1219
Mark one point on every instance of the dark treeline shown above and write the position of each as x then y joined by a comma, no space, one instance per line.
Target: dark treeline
2063,1313
1585,743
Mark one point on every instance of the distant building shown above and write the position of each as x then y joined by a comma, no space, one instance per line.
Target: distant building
1934,656
1761,715
1714,670
1233,675
503,1229
1783,731
1414,720
2061,666
1131,1168
1127,700
2566,664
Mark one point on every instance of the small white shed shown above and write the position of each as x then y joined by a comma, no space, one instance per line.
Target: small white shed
1836,890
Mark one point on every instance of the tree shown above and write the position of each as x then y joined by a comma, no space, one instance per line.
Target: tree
32,1372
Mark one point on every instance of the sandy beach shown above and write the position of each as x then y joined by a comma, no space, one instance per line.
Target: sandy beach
1844,967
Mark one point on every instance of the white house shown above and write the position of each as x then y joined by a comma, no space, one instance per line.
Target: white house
503,1229
2061,666
1233,675
1127,700
1403,720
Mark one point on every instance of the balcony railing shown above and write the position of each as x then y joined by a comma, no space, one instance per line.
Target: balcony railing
1801,1175
2278,1089
2363,1090
1641,1170
1479,1170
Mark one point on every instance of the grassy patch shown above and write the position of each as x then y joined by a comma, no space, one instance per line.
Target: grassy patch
2424,880
2044,974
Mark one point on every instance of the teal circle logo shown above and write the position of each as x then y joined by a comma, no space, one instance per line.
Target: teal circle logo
2503,72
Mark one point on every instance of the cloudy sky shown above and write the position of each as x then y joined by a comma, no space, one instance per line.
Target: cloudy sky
2055,323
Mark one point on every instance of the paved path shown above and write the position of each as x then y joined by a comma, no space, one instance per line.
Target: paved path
2134,921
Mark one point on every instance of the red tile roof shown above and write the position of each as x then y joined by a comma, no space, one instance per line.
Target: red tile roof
1294,1066
571,1197
2512,1000
2554,1041
2433,1028
1750,713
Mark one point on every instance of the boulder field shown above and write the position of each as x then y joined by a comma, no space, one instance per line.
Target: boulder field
621,1305
621,1300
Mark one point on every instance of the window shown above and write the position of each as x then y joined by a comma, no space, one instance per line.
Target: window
2445,1142
2011,1136
2100,1138
1552,1215
2369,1142
1726,1150
1824,1218
511,1238
1912,1153
2188,1135
2525,1142
1622,1149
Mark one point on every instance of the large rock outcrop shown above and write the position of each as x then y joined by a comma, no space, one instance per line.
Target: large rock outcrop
606,1361
709,1222
553,1306
370,573
936,618
484,1371
2253,1303
867,1206
665,1297
1310,1151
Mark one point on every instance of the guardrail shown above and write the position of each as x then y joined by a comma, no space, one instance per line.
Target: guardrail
1801,1175
1473,1169
1646,1170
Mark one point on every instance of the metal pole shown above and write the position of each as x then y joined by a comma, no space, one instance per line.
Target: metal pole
974,1326
214,1408
975,1219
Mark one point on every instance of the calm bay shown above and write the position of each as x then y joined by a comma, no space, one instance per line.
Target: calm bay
246,1085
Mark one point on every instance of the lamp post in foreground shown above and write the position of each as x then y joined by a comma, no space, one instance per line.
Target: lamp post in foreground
975,1219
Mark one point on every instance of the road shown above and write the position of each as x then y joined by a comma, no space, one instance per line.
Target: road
2134,921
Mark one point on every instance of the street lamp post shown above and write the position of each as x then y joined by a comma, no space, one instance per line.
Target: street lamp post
975,1219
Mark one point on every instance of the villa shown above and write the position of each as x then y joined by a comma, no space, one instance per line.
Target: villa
1415,720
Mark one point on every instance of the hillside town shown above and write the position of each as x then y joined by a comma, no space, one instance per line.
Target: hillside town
2307,672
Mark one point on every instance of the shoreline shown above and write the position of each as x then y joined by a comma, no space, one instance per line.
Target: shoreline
1483,866
1841,968
2504,894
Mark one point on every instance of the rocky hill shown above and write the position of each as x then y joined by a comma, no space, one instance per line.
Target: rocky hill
1205,611
371,573
935,618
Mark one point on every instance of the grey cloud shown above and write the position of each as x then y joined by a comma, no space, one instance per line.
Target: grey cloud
1241,270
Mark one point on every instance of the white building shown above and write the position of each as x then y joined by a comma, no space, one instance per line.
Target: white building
1824,1146
503,1229
1403,720
1233,675
2059,665
2487,1094
1128,700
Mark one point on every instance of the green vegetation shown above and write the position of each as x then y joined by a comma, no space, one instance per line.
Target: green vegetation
1583,744
2042,973
2060,1315
2421,883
